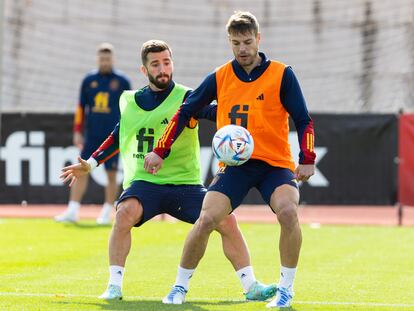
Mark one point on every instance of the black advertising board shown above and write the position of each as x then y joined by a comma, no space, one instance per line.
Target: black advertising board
355,160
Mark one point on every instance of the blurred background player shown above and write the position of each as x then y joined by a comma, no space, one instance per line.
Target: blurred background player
96,115
177,190
259,94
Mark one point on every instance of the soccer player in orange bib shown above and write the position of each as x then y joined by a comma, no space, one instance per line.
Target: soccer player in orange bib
260,95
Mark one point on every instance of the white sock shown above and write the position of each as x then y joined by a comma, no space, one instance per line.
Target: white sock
116,275
183,277
287,276
106,208
73,207
246,276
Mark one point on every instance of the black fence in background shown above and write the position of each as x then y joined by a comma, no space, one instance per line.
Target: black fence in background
356,161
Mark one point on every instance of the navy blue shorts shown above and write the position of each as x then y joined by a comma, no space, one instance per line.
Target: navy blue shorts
236,181
91,145
180,201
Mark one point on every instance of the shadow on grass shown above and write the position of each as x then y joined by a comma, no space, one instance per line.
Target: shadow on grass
86,225
150,305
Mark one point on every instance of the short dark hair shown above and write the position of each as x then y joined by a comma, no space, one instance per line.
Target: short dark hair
153,46
242,22
105,48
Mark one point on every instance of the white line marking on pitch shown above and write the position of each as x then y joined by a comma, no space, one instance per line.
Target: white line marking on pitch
195,299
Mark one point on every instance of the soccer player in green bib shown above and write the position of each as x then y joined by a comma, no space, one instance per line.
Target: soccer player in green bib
176,190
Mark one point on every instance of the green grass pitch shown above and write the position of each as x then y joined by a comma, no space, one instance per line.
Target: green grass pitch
50,266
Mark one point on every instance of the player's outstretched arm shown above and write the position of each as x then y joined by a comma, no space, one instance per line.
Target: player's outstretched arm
73,172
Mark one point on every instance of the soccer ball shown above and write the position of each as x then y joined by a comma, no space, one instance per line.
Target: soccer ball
233,145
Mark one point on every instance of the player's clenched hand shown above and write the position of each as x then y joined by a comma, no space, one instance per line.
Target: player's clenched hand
304,171
73,172
152,163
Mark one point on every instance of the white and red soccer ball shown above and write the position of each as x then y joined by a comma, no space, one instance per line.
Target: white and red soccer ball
233,145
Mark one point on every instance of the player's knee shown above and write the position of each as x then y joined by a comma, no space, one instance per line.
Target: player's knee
287,215
127,214
206,223
286,210
228,224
